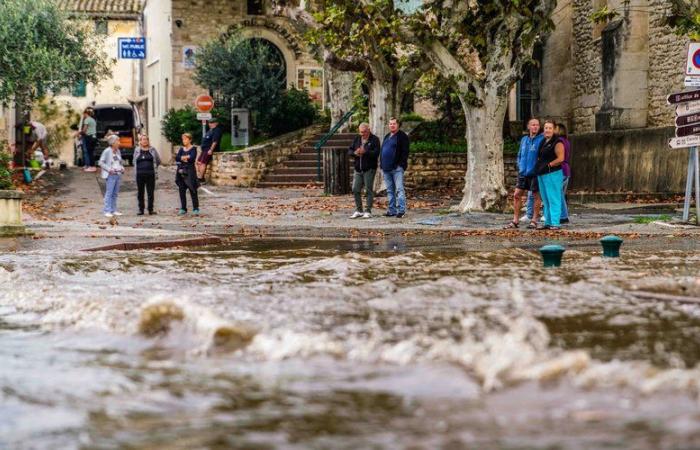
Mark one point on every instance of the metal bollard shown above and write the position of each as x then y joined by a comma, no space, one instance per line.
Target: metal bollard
551,255
611,246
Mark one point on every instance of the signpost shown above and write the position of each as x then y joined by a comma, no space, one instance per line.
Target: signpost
688,127
132,48
204,104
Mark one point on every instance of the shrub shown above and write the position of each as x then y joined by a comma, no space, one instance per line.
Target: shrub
179,121
294,111
412,117
5,173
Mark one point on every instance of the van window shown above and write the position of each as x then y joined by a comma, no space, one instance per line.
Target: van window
116,119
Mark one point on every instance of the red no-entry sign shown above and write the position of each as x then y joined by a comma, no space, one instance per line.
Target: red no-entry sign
204,103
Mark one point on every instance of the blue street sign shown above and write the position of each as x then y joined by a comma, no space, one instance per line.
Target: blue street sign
132,48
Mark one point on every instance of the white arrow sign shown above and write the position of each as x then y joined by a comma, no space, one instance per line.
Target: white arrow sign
684,142
688,108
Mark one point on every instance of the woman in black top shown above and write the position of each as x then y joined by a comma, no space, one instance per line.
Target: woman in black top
186,175
146,160
549,175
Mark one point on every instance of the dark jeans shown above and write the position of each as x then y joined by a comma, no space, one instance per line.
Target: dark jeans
89,143
184,184
147,182
365,179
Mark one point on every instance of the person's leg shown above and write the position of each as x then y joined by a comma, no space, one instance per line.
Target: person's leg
400,191
140,187
564,206
115,192
86,151
390,192
554,183
544,194
195,198
369,187
150,190
517,199
357,181
182,188
530,205
109,188
200,169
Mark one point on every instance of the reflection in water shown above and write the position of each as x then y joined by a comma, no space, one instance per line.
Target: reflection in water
315,345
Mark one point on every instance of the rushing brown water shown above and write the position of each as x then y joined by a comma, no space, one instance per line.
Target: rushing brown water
273,344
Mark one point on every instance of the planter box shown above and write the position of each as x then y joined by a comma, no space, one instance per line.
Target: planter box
11,214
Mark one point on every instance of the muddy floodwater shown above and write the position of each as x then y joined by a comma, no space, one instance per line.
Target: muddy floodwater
352,345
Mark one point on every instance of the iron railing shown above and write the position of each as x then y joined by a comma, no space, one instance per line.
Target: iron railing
326,137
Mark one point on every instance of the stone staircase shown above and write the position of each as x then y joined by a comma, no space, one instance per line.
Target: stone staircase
300,169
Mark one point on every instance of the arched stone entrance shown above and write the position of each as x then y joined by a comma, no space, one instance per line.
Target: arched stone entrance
278,65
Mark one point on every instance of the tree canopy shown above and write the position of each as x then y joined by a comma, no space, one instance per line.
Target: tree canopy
43,50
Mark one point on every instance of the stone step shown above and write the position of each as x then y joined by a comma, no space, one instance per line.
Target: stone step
311,165
350,136
304,157
304,178
274,184
305,170
307,149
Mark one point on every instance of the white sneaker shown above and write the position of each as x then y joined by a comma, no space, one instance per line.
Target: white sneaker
524,218
109,215
117,213
356,214
367,215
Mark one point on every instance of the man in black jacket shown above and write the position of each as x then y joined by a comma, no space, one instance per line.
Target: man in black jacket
394,162
365,151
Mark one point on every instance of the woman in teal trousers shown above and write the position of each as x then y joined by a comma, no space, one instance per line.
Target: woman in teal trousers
549,175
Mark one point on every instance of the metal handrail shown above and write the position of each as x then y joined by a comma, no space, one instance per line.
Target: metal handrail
329,135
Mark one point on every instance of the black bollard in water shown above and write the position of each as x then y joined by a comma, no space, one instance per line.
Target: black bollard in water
551,255
611,246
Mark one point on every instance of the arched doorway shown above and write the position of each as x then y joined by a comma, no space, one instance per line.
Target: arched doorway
276,67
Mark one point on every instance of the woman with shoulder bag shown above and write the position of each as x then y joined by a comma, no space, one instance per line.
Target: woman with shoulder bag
186,175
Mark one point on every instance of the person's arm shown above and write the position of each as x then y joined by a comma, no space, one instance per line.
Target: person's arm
352,148
178,156
192,153
216,140
105,161
404,146
559,151
374,152
156,157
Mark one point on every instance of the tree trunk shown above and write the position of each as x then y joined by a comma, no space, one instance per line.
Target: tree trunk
484,181
340,86
383,105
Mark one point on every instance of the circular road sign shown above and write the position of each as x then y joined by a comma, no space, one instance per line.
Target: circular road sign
696,59
204,103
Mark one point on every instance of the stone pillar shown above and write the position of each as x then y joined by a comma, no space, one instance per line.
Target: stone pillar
11,214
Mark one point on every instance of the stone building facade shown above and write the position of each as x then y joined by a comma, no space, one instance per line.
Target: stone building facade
176,28
603,77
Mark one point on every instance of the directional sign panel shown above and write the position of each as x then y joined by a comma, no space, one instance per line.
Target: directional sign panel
687,108
204,116
684,142
690,119
687,131
692,81
132,48
693,65
683,97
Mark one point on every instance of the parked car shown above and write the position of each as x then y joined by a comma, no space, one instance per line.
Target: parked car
124,120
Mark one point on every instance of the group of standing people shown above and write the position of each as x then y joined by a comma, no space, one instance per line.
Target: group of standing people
191,167
543,174
391,156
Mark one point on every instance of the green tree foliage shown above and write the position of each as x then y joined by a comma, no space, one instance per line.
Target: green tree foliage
5,173
245,72
177,122
294,111
42,51
686,18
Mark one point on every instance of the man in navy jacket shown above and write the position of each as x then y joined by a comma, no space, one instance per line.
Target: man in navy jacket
394,162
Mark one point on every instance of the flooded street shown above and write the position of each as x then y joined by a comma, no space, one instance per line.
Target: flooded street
311,344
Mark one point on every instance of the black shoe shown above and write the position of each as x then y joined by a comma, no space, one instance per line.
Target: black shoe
152,213
400,215
140,213
390,214
564,221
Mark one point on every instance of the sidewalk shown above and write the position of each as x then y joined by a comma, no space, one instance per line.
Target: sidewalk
72,204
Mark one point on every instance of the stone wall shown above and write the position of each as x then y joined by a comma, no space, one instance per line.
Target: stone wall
627,161
667,57
246,168
201,21
432,170
617,75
